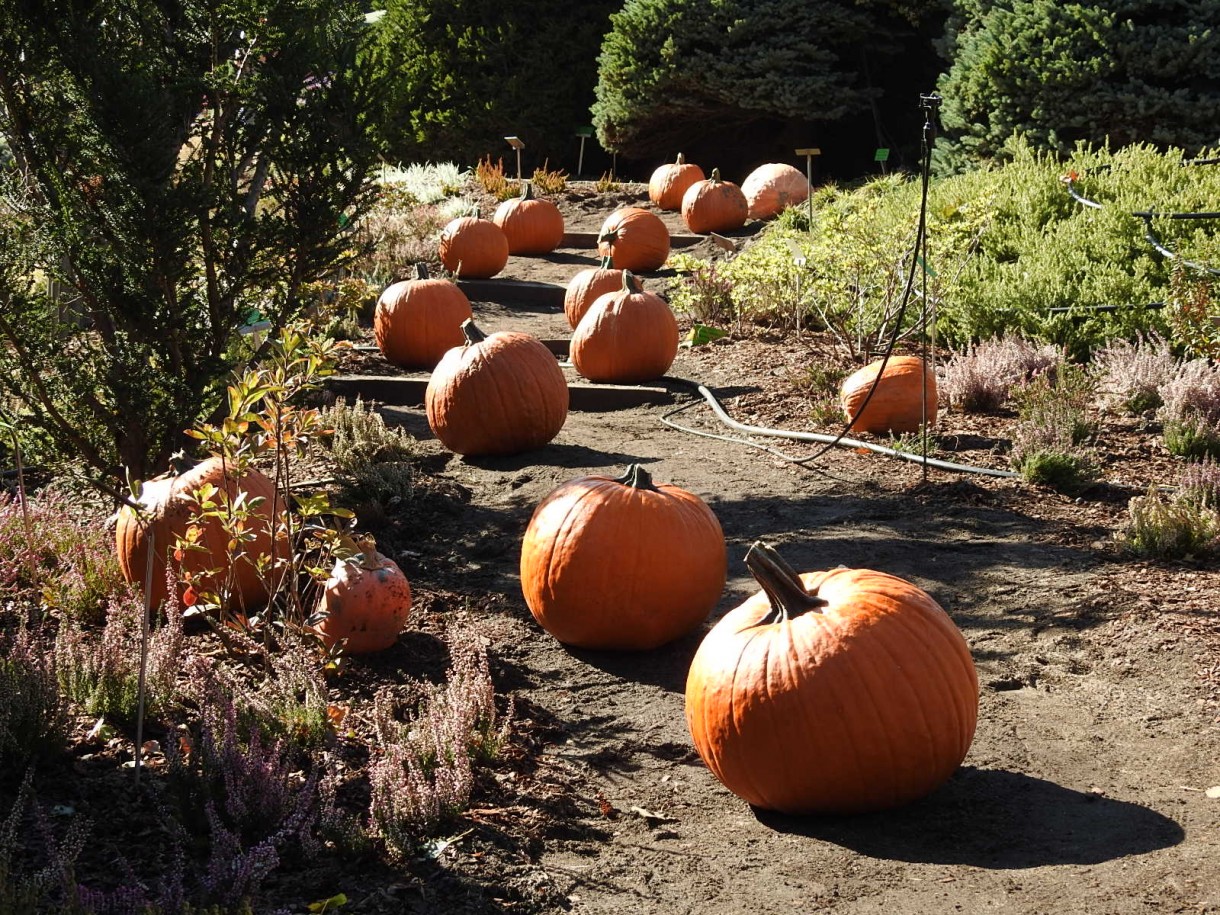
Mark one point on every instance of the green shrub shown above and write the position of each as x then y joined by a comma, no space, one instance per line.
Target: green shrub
1161,527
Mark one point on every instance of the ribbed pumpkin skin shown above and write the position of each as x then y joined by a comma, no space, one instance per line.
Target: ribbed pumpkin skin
772,188
669,182
867,705
896,405
635,239
586,286
607,565
532,225
504,394
166,500
714,205
625,337
474,248
417,321
367,602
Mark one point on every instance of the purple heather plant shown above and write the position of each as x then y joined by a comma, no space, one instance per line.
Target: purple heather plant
981,378
1129,376
33,713
1200,484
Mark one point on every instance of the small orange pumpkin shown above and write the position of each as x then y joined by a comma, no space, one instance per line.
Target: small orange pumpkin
622,563
365,603
670,181
626,336
584,288
832,692
533,225
898,403
418,320
473,247
772,188
635,239
502,393
714,205
168,504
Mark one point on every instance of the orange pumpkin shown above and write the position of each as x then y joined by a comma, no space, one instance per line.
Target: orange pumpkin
897,404
418,320
714,205
635,239
365,603
626,336
584,288
502,393
669,182
473,247
622,563
168,504
832,692
531,224
772,188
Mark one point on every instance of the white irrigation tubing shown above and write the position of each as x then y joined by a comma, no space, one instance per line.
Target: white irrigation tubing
818,437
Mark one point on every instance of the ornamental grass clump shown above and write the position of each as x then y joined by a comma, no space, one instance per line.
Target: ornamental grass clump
1191,410
1130,375
429,745
1168,527
33,713
980,378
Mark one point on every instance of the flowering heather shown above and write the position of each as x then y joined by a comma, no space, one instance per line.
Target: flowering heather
1130,376
1200,484
424,776
1191,410
33,715
981,378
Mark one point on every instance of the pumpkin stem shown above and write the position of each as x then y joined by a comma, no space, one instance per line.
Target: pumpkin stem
421,271
715,179
637,478
681,159
631,282
782,584
607,263
472,333
527,190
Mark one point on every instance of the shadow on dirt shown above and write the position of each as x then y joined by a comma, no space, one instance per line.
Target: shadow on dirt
994,818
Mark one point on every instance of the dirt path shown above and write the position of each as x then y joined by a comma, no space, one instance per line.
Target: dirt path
1084,791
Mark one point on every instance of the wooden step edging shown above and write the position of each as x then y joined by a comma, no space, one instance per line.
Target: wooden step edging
408,390
589,240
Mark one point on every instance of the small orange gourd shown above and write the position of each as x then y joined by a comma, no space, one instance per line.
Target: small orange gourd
417,321
623,563
635,239
365,603
669,182
905,390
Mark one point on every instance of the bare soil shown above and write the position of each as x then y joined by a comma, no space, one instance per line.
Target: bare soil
1085,790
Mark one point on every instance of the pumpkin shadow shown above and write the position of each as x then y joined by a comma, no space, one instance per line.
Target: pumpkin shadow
665,666
994,818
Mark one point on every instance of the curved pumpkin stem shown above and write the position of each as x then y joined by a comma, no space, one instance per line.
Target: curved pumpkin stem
472,333
715,179
681,159
607,263
631,282
782,584
637,478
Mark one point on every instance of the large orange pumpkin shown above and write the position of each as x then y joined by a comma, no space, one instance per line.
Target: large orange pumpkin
168,505
626,336
714,205
897,404
772,188
635,238
365,603
832,692
502,393
473,247
622,563
417,321
533,225
669,182
584,288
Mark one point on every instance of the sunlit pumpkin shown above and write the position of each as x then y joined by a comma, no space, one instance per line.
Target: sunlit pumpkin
500,393
669,182
365,603
473,248
584,288
168,503
627,336
714,205
772,188
898,403
621,563
832,692
635,239
532,225
418,320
